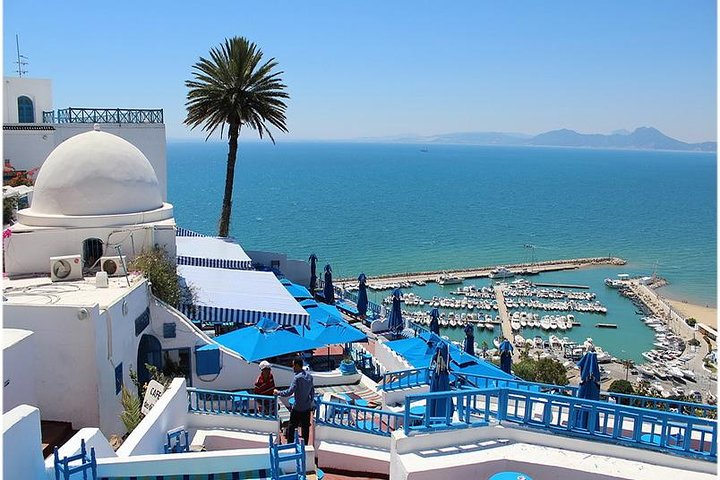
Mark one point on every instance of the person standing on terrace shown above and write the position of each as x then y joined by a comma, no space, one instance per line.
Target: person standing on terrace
303,389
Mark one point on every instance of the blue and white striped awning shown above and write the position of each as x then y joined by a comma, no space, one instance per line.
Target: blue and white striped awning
199,250
239,296
184,232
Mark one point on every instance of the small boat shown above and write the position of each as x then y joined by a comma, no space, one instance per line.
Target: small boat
689,374
519,340
446,279
501,272
613,283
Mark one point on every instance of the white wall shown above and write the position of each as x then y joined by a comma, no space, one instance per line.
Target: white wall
28,149
19,369
22,454
76,382
66,385
150,435
115,343
38,89
297,271
29,250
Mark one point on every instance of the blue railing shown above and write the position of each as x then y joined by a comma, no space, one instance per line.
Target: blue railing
240,403
373,307
414,377
352,417
653,403
594,420
104,115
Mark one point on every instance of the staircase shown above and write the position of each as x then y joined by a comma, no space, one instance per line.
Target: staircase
54,434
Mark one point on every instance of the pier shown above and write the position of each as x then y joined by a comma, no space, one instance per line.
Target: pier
503,312
561,285
479,272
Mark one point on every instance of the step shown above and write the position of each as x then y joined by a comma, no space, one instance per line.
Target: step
354,458
54,434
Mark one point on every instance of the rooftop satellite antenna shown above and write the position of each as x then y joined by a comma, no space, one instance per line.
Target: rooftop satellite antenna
21,59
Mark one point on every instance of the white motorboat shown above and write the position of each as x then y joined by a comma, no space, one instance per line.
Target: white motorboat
519,340
446,279
515,324
501,272
689,374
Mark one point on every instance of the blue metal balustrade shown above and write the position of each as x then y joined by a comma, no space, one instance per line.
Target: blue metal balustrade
360,419
104,115
232,403
401,379
414,378
665,431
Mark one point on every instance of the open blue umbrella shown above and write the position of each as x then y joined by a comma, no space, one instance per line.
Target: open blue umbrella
332,331
313,272
362,302
395,320
435,321
469,346
589,383
265,339
506,350
328,290
440,382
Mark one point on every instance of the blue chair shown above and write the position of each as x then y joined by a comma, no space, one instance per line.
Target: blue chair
177,441
62,467
291,452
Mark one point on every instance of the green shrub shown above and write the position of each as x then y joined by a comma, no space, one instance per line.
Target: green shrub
9,208
157,267
545,370
691,321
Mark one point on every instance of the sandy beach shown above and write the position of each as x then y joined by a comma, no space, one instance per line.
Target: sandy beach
706,315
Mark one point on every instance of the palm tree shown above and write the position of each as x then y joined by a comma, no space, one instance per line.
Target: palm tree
628,364
234,88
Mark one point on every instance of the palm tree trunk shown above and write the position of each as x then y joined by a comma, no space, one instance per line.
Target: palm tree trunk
233,134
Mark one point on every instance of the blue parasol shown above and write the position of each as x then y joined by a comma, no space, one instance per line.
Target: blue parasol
506,350
313,273
440,382
328,290
362,302
469,346
395,320
265,339
435,321
589,383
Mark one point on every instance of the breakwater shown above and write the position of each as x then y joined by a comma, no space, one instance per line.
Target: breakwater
478,272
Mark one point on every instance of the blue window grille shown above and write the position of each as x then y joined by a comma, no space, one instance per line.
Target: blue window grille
118,378
26,111
169,330
142,321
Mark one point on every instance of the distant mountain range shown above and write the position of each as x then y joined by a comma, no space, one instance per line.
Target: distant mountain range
643,138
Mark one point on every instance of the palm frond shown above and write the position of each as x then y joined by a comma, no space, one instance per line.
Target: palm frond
233,86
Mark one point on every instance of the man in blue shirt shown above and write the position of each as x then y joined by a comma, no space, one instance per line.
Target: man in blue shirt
303,388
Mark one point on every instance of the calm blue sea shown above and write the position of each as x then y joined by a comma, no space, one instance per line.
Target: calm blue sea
386,208
382,208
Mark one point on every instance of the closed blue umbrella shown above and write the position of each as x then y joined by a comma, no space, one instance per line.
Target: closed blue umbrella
469,346
589,383
313,273
395,320
506,350
435,321
362,302
328,290
440,382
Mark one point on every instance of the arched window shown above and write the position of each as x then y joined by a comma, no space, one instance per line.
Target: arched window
92,251
26,112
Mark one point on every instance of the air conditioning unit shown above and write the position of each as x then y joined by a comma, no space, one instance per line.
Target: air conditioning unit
114,266
66,268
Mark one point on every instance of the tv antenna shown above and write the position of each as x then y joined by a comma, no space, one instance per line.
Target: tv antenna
21,59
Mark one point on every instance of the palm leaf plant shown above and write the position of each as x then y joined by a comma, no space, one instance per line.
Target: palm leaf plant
235,88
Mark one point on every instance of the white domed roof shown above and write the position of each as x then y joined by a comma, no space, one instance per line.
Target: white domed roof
95,173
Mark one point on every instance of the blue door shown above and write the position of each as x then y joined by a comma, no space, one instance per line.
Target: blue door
150,352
